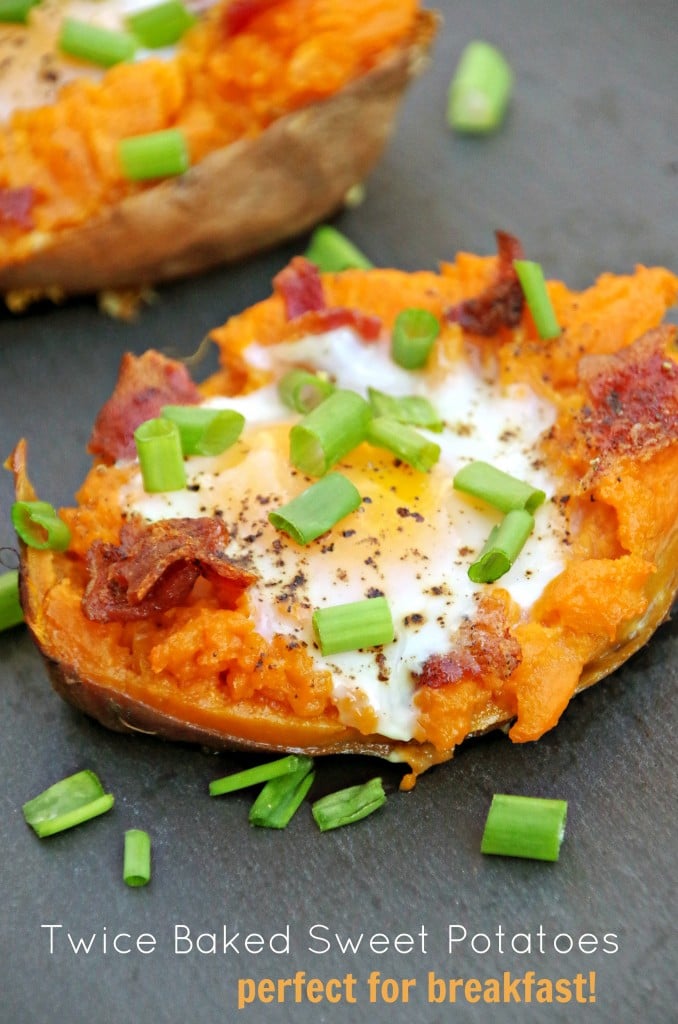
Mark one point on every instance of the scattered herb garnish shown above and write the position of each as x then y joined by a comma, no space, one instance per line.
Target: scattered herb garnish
136,869
67,803
348,805
524,826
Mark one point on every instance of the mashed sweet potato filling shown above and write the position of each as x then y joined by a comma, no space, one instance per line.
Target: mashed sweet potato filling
207,664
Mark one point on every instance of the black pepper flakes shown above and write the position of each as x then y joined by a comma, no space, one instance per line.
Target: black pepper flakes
383,673
404,513
415,619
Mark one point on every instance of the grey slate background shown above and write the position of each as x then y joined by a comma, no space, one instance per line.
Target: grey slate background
585,171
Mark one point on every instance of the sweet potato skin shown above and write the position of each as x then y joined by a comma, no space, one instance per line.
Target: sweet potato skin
241,199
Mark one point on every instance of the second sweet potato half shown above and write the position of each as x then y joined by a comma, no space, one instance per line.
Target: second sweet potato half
279,108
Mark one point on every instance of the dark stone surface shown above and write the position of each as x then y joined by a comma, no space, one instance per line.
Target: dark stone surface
584,171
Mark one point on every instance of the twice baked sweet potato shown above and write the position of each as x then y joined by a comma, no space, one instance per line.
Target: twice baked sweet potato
188,614
284,106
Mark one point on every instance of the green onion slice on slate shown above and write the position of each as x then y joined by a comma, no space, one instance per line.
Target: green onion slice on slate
161,459
405,443
260,773
205,431
161,25
331,251
39,526
162,154
303,391
95,44
351,626
413,336
480,89
531,277
11,612
280,798
317,509
497,488
67,803
136,869
16,10
524,826
328,432
502,547
348,805
415,410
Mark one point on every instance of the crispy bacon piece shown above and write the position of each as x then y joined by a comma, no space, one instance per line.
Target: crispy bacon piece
155,567
16,207
634,397
502,302
483,648
300,286
145,383
239,13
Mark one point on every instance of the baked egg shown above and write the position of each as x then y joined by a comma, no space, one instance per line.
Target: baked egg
413,536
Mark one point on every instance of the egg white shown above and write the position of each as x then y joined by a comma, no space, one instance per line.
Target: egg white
413,536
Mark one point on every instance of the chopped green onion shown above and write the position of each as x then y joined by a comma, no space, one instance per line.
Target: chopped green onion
67,803
497,488
332,251
317,509
328,432
415,410
502,547
136,869
160,154
524,826
531,278
161,25
280,798
260,773
352,626
414,334
95,44
39,526
160,457
205,431
348,805
303,391
405,443
16,10
11,612
480,89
